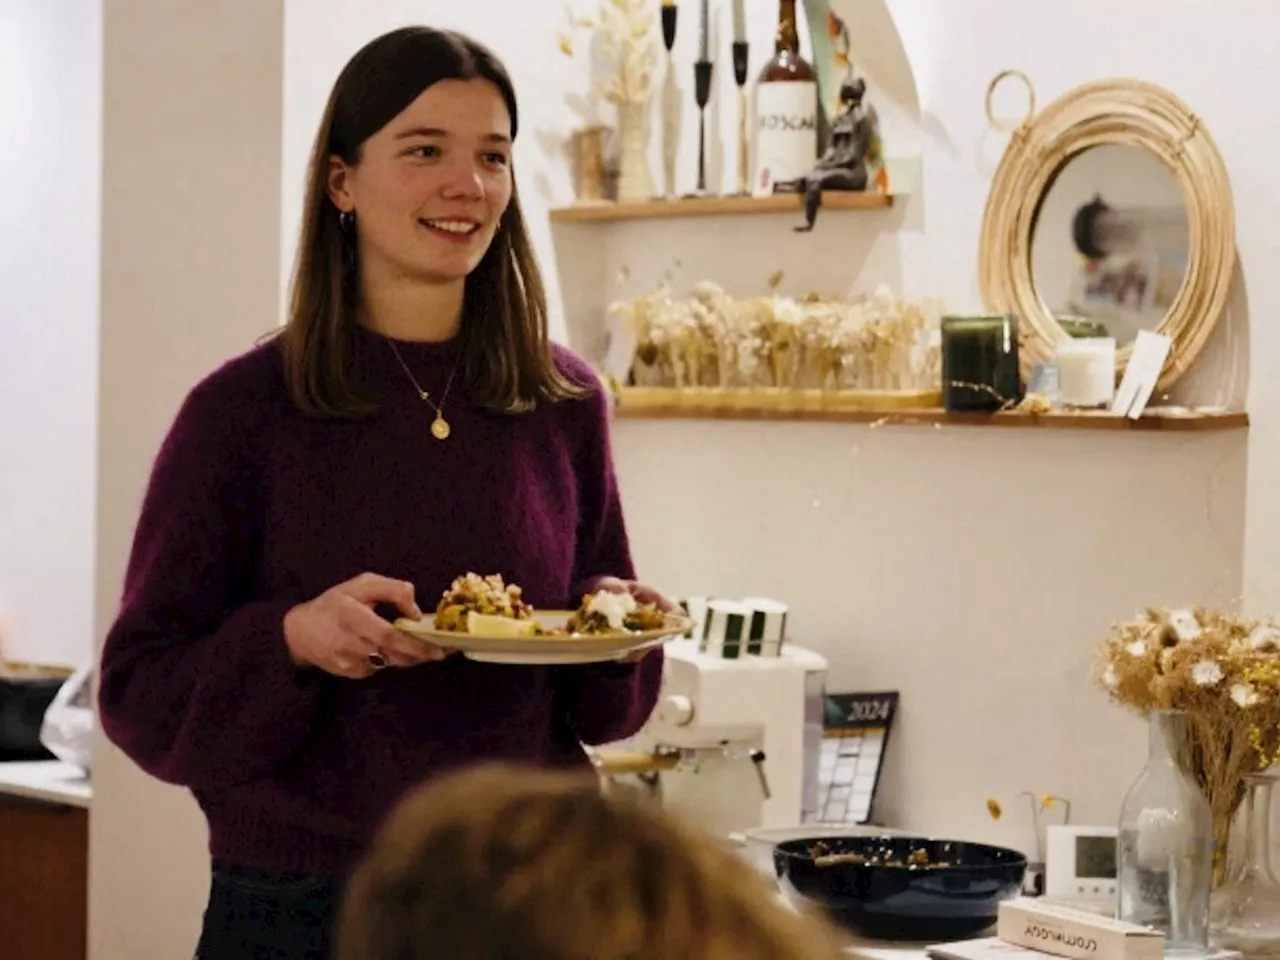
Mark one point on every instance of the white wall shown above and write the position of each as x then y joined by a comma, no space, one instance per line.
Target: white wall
191,211
972,570
50,155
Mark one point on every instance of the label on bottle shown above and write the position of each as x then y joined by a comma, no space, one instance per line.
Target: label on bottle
786,130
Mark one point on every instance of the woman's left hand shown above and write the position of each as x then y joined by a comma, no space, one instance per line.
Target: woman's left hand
642,594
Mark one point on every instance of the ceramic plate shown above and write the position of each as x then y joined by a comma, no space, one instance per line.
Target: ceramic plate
546,650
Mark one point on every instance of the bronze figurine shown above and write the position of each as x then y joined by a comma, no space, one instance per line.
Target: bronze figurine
854,138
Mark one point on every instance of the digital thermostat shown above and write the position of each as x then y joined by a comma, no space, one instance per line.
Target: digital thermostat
1080,863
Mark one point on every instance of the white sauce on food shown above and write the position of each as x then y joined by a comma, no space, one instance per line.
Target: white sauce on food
614,607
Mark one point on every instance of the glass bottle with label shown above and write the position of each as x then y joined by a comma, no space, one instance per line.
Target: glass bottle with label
786,108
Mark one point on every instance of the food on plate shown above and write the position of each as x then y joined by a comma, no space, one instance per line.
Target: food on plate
487,605
488,625
918,857
608,612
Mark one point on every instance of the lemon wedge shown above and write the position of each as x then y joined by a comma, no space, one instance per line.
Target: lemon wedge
486,625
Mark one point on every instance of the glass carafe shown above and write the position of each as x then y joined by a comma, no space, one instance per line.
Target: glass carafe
1246,911
1165,868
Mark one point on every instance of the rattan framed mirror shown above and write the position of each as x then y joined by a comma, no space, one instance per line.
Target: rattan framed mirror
1128,162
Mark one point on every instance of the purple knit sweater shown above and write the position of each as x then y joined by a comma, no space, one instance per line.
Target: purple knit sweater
253,507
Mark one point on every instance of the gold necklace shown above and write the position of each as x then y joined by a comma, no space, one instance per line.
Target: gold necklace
440,428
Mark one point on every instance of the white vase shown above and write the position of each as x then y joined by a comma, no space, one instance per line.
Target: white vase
635,180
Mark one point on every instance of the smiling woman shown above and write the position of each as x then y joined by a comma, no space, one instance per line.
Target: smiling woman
452,179
410,182
411,422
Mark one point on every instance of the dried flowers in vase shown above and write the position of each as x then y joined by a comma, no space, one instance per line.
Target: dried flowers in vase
877,342
654,363
629,48
1223,672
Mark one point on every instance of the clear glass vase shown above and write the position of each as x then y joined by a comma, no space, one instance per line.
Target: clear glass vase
1246,911
1165,868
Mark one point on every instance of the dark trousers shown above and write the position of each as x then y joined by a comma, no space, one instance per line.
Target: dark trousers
265,915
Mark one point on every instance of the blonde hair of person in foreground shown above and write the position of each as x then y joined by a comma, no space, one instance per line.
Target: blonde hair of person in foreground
504,864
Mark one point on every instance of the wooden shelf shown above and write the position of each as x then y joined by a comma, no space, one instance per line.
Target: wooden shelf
715,207
1186,421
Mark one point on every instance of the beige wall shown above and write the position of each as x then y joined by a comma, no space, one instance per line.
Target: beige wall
190,264
923,561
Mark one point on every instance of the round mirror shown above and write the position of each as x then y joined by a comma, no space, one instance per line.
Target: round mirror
1110,213
1110,241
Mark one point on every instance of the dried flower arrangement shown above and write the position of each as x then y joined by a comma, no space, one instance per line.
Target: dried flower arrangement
711,339
1223,671
630,47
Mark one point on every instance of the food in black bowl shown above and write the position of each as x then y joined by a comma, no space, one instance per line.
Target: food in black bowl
902,888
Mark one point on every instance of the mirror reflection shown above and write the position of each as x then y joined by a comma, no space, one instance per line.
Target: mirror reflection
1109,250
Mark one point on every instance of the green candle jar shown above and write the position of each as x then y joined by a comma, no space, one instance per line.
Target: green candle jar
980,363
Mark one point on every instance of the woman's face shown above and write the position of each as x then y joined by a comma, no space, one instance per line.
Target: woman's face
431,186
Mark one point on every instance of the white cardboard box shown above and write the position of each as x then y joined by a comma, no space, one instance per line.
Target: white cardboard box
1076,934
993,948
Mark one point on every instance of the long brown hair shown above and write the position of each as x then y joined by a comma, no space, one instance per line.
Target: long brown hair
507,365
496,863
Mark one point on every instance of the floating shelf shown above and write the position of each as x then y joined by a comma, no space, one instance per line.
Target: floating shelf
715,207
1169,419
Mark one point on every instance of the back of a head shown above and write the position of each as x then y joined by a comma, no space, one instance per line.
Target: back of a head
505,864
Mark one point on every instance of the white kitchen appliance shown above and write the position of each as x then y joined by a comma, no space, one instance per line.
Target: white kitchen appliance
738,741
1080,864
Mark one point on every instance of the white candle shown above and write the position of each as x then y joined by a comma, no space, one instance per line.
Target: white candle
704,45
739,21
1087,371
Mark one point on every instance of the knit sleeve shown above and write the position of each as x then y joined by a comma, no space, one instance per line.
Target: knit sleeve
197,685
607,702
603,548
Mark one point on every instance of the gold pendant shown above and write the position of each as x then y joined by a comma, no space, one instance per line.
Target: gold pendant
440,428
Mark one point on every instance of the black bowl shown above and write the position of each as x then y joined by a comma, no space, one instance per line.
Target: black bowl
908,888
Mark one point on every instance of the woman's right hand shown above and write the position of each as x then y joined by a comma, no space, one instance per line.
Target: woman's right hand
339,632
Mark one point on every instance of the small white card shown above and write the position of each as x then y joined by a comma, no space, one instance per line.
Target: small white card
763,183
1141,374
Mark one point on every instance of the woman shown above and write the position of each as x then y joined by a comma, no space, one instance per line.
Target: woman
410,424
492,865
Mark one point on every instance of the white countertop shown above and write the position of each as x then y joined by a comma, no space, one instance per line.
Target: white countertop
869,950
874,950
48,780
